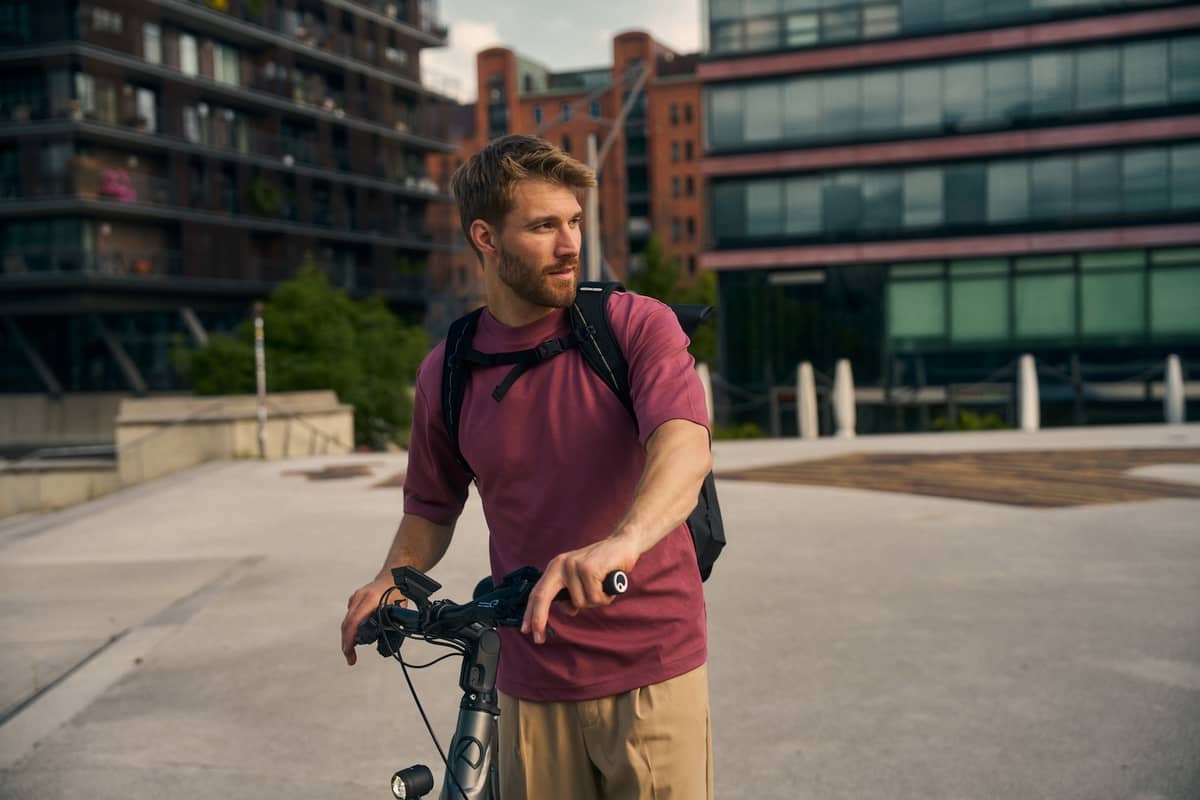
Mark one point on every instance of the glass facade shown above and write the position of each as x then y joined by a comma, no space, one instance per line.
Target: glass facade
747,26
980,93
1153,183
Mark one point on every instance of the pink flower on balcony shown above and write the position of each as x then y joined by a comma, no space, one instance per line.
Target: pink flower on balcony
117,184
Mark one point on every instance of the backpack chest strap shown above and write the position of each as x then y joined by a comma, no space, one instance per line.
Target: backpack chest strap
521,360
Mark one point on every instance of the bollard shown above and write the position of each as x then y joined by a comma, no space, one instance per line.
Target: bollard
843,399
1030,410
806,402
706,381
1174,403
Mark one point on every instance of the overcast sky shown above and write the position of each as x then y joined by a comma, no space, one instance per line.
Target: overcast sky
562,35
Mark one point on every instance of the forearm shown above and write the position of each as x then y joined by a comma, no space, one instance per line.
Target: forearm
418,543
678,458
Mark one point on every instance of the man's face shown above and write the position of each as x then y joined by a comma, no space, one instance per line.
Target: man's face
539,244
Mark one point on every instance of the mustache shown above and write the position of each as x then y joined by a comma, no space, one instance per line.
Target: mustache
572,262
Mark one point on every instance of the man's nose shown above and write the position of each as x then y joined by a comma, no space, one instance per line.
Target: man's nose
567,242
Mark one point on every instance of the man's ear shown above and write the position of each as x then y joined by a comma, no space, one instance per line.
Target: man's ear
484,237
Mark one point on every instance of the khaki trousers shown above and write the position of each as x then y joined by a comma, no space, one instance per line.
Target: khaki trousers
652,743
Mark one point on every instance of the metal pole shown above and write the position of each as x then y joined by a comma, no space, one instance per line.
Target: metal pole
260,371
591,222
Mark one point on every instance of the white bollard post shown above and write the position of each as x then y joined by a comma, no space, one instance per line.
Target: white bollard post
806,402
843,399
1030,408
706,381
1174,402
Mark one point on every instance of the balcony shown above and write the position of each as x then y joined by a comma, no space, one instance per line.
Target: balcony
31,262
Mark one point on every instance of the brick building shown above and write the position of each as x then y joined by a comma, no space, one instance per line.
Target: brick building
650,181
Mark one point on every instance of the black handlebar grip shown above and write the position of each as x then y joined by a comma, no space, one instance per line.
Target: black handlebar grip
615,583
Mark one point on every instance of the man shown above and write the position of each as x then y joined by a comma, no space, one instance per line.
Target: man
615,703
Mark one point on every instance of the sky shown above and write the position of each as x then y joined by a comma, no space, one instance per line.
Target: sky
561,35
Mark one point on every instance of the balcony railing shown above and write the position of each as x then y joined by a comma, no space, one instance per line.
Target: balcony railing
109,262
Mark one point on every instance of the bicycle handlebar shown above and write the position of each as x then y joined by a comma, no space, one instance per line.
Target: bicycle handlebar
503,606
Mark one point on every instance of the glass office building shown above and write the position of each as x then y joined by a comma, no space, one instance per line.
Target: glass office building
932,187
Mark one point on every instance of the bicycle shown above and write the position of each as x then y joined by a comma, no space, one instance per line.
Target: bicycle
470,630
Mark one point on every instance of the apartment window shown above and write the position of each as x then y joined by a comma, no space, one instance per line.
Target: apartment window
675,187
1145,74
15,24
595,109
537,115
978,300
1008,192
1098,79
689,150
1044,296
687,113
1052,187
690,186
1097,184
1112,293
805,206
105,21
691,265
881,102
922,98
1185,69
922,198
566,112
690,227
1006,91
762,119
152,43
674,114
1146,180
225,65
191,124
674,152
146,101
1051,77
566,143
189,61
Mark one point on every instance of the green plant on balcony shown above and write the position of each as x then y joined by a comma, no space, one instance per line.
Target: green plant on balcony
265,196
409,266
218,5
253,8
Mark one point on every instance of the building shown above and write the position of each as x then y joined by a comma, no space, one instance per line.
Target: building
164,163
930,189
650,180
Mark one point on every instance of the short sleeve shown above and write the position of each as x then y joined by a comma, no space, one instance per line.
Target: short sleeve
662,373
435,484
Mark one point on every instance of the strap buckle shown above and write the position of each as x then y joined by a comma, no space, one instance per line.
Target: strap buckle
549,349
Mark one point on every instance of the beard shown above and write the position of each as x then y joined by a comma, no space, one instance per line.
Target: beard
535,285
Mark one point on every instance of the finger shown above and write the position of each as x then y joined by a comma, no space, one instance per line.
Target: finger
576,586
537,610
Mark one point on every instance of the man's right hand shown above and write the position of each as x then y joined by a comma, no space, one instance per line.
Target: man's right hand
364,601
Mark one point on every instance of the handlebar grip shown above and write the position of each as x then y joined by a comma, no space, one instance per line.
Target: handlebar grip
615,583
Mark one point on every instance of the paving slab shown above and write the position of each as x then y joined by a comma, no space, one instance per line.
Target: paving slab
863,644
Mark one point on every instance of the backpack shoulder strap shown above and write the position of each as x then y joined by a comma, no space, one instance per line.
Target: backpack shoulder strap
455,371
589,324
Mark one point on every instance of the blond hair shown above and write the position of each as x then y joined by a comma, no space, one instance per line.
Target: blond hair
485,185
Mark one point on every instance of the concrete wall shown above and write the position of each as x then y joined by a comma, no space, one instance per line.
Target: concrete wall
159,435
42,420
46,487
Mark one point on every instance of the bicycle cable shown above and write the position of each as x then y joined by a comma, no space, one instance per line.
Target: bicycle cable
395,651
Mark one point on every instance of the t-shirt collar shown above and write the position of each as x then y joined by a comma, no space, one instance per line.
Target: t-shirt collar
497,337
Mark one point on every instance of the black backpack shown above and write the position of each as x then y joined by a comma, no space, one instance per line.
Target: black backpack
590,332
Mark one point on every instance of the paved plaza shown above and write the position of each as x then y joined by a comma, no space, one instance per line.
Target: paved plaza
879,628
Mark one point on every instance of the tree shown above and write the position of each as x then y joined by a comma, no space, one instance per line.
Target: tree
659,278
317,337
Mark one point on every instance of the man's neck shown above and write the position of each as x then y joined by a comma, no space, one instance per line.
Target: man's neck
510,310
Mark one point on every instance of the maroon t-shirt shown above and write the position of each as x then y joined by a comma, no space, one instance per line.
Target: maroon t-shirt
557,462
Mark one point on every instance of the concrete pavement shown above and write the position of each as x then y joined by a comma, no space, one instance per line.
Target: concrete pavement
181,638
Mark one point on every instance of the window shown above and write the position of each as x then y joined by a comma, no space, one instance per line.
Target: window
566,145
674,152
689,150
1185,69
842,203
1097,184
764,208
687,113
1052,187
674,114
880,102
147,110
675,187
839,105
1008,192
880,21
801,30
882,200
1051,81
1145,74
922,98
763,116
1044,294
1145,180
1112,294
728,211
1098,78
978,300
595,109
690,186
690,227
537,115
1185,176
802,109
1175,292
225,65
676,230
965,95
189,63
1007,88
105,21
922,198
152,43
566,112
725,117
916,302
804,207
966,194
